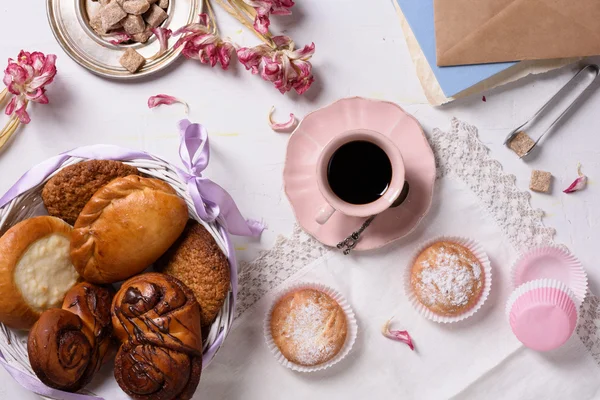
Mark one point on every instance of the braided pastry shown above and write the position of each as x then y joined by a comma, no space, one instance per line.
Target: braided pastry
66,346
157,320
126,226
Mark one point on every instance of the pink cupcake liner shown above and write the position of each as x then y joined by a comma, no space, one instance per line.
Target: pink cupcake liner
478,251
350,336
551,262
542,314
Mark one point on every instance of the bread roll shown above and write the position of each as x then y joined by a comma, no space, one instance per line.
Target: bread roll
196,260
157,320
66,346
35,270
126,226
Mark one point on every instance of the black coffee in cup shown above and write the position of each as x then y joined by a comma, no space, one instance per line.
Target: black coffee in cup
359,172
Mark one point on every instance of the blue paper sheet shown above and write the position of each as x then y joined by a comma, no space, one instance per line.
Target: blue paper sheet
452,80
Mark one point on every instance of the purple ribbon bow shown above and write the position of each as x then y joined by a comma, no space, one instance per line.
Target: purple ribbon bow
211,202
210,199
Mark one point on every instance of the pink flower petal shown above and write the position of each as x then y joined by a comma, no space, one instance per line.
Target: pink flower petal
578,184
400,336
163,35
283,126
164,99
118,38
23,115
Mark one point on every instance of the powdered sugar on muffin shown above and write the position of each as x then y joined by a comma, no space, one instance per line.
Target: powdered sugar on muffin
308,327
447,278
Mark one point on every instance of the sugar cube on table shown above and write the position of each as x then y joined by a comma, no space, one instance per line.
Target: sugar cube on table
132,60
136,7
134,24
540,181
155,16
521,143
111,14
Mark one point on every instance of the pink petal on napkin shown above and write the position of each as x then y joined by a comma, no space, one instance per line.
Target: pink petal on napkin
578,183
284,126
400,336
164,99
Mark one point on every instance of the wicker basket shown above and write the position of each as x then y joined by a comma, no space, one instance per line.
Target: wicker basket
13,344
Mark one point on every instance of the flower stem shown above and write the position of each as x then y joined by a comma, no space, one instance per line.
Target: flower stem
244,16
9,129
213,21
3,95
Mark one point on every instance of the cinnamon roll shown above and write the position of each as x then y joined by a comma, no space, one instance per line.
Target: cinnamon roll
66,346
157,320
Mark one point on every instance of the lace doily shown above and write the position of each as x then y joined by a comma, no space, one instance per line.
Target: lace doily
461,154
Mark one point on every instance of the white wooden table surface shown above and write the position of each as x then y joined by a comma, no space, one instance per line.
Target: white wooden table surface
360,51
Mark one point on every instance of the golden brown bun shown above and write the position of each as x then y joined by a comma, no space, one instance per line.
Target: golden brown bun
157,320
308,327
447,278
67,192
196,260
15,311
66,346
126,226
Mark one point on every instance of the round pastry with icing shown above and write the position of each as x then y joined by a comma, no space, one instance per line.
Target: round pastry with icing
308,327
447,278
35,269
157,320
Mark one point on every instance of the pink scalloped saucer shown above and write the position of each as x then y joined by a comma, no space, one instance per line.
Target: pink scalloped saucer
317,129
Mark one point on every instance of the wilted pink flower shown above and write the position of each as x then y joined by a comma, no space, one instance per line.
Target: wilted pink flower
26,78
400,336
285,67
264,8
165,99
283,126
163,35
201,43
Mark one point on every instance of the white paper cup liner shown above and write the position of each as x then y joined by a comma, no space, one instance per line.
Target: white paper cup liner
564,267
538,284
479,253
350,322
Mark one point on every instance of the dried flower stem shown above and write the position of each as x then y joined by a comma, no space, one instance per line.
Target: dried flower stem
244,15
9,129
3,95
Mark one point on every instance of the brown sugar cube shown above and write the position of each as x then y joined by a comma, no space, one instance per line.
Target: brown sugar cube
521,143
142,37
155,16
134,24
132,60
111,15
136,7
96,24
163,4
540,181
151,1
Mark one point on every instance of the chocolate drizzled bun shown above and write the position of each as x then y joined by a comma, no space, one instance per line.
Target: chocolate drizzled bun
157,320
66,346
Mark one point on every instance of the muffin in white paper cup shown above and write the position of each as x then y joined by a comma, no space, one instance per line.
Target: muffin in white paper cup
351,326
481,256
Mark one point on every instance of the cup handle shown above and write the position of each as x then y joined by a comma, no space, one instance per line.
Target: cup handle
324,213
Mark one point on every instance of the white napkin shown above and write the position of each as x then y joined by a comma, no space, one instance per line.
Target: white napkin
478,358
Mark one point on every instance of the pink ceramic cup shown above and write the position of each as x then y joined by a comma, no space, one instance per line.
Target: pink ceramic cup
334,203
